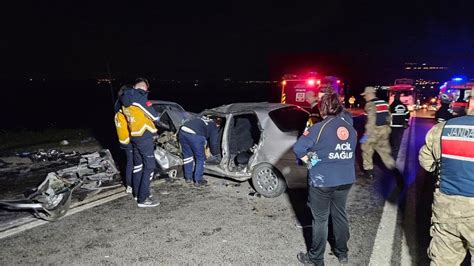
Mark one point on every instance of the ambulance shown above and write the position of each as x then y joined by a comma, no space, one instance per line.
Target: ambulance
406,88
294,87
459,90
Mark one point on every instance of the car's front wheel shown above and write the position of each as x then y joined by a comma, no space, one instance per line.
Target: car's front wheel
268,181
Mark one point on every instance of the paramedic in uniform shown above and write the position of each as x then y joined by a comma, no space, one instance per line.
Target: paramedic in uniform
192,137
377,134
400,117
450,148
334,140
124,139
141,118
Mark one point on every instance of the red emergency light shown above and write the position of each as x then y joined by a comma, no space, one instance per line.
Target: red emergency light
338,81
310,82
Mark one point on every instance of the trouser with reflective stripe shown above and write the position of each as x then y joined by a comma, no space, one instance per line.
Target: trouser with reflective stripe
144,161
193,148
128,149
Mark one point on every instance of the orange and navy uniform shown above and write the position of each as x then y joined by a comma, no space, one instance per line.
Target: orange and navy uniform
141,117
121,125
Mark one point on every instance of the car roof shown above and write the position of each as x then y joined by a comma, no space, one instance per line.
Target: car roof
163,102
243,107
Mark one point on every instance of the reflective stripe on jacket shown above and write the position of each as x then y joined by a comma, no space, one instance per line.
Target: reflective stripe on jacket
382,112
457,157
122,128
400,114
141,116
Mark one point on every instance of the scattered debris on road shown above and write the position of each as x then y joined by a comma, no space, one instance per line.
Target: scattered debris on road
49,155
51,199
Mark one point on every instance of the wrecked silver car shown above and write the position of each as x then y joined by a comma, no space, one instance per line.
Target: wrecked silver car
52,198
256,144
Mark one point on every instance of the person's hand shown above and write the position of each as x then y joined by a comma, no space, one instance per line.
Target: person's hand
364,138
304,159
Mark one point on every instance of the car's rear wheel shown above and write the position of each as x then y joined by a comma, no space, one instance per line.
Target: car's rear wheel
268,181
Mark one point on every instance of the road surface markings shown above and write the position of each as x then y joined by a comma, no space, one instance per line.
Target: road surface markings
383,244
30,222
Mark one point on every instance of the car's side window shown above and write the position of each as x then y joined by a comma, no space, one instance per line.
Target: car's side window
289,119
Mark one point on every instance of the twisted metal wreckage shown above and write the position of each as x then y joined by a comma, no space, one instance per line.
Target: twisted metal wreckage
52,198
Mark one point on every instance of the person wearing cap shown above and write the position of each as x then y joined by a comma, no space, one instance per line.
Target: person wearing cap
444,113
377,134
141,118
449,152
399,122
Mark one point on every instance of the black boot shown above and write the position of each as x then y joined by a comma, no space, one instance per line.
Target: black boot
369,174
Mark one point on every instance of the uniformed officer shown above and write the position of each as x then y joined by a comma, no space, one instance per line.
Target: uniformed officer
444,113
376,136
449,149
328,148
141,118
124,138
314,116
400,118
192,137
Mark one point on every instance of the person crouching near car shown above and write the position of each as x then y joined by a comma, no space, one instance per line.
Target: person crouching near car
328,148
141,118
192,137
123,135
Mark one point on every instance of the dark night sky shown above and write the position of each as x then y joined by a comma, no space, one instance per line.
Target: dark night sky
201,39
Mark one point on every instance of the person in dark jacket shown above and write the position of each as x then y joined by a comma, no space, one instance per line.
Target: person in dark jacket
141,118
444,113
400,118
328,148
192,137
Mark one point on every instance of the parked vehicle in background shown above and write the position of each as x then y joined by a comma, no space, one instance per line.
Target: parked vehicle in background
406,89
294,87
458,89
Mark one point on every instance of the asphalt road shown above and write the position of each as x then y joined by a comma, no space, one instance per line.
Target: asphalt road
225,223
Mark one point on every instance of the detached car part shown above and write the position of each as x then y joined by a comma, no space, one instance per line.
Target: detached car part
52,198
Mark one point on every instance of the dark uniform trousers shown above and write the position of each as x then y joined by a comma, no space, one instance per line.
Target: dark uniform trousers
193,147
144,161
395,140
129,167
322,201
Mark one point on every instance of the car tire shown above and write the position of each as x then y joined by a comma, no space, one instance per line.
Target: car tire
268,181
175,172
